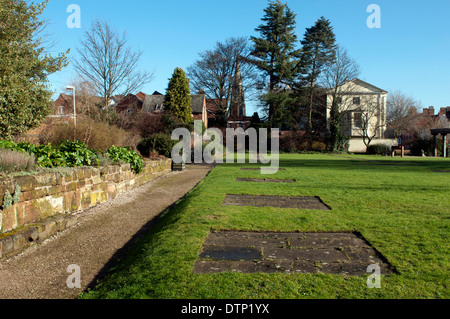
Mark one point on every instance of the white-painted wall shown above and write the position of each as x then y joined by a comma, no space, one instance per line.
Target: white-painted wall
373,102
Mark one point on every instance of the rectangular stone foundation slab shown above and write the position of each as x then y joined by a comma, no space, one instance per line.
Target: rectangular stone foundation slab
291,253
297,202
265,180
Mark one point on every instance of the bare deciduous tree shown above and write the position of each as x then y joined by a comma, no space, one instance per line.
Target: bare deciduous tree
108,63
214,72
334,77
401,113
369,118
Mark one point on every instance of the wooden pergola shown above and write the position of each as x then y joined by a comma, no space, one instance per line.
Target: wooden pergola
443,131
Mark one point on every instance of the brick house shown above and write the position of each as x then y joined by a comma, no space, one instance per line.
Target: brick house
155,104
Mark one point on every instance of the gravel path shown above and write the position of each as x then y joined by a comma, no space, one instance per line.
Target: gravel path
102,235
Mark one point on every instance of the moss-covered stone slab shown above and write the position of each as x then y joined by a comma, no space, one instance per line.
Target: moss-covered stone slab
265,180
294,252
259,169
297,202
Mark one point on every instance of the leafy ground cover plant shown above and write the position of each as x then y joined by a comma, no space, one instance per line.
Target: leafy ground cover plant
125,154
73,154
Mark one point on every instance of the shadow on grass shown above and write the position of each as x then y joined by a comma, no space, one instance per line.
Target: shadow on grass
355,163
131,251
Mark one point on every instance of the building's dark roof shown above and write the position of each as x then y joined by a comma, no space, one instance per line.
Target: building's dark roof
152,101
197,103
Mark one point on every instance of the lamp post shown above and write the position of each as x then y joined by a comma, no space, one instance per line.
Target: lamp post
74,106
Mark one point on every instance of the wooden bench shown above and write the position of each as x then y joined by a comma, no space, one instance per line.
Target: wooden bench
397,148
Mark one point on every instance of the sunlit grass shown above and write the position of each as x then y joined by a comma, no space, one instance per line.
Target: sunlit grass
402,209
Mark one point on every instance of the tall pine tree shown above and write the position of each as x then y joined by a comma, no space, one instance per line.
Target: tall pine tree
319,49
178,97
274,50
24,67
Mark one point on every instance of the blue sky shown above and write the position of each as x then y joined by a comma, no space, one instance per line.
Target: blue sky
410,52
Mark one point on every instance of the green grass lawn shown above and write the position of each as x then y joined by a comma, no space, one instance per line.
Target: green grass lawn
402,209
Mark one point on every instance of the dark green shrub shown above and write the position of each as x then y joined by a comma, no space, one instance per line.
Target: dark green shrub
427,145
160,143
338,143
78,154
125,154
378,149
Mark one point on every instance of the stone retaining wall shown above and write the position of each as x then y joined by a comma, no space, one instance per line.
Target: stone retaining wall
45,203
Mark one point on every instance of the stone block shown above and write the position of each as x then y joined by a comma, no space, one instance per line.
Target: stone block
39,192
61,222
98,197
9,219
57,179
26,183
44,179
27,212
31,234
51,227
79,174
95,171
25,196
103,186
71,220
71,201
111,190
20,214
104,171
7,244
6,185
56,189
71,186
19,241
125,167
114,169
87,172
85,199
50,206
69,177
114,177
96,179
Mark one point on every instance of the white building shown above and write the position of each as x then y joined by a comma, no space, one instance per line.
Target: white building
363,113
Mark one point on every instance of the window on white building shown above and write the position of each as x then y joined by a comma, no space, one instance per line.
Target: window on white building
357,119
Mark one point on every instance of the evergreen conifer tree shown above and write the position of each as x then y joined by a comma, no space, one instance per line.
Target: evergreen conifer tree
24,67
274,50
318,50
178,97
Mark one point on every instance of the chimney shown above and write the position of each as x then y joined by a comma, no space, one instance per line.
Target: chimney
429,110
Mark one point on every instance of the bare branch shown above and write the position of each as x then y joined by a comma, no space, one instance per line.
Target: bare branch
215,69
107,62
